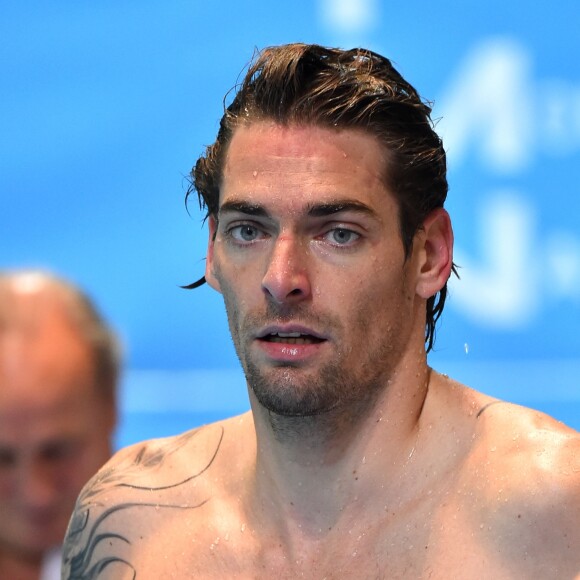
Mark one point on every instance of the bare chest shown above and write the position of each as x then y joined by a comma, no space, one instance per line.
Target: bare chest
441,544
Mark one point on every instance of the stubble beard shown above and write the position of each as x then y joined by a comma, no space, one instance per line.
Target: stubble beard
289,391
284,392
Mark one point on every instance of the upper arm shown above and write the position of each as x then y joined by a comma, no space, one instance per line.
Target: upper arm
140,488
98,538
535,526
558,531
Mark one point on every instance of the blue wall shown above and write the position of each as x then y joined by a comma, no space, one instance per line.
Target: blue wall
105,106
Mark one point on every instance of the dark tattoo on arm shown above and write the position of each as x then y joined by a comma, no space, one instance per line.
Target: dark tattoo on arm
86,535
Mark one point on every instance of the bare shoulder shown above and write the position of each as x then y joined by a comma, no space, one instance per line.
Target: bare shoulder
513,440
139,491
526,469
522,442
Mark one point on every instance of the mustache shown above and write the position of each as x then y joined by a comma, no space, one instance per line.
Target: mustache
302,314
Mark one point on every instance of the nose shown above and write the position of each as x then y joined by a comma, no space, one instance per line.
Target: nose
286,280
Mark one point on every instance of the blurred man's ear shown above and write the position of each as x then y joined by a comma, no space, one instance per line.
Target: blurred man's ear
209,262
436,253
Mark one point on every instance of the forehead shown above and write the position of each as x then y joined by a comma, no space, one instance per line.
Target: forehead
43,365
310,161
47,381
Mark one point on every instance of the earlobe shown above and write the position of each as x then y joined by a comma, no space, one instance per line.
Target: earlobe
210,277
436,253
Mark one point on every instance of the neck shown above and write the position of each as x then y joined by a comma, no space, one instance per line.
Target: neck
320,468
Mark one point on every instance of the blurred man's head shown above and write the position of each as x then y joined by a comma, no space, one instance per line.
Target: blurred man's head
58,371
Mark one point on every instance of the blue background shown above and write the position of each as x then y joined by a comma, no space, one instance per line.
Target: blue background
106,105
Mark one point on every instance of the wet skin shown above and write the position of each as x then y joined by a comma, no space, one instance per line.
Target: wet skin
308,255
357,460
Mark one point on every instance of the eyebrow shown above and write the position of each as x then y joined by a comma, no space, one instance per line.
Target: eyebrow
313,210
332,207
242,207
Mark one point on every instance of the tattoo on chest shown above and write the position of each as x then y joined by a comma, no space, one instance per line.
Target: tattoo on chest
91,546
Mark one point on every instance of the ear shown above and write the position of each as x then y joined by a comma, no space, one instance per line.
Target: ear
436,253
210,277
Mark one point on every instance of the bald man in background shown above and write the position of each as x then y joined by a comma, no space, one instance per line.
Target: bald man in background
59,365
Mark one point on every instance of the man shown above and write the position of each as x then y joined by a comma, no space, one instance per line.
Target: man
329,242
58,371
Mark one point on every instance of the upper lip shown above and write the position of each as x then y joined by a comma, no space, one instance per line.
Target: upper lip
289,329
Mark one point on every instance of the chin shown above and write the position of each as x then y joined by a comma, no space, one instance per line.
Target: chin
286,408
281,393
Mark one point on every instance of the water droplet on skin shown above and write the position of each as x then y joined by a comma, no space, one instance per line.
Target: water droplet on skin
243,528
255,173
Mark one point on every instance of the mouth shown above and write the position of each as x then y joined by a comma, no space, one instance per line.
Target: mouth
291,338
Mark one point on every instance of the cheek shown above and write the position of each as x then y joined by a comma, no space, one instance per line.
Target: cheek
241,288
381,301
7,484
359,307
73,472
233,305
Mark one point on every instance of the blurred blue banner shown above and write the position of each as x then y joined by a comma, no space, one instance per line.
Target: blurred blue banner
106,105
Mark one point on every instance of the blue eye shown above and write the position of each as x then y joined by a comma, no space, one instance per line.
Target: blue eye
342,236
244,233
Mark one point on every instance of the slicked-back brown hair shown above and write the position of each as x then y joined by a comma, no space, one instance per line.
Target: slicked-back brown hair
300,84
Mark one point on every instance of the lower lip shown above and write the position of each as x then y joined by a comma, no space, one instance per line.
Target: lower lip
287,352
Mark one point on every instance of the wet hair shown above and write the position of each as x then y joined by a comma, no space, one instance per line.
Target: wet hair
44,291
310,85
